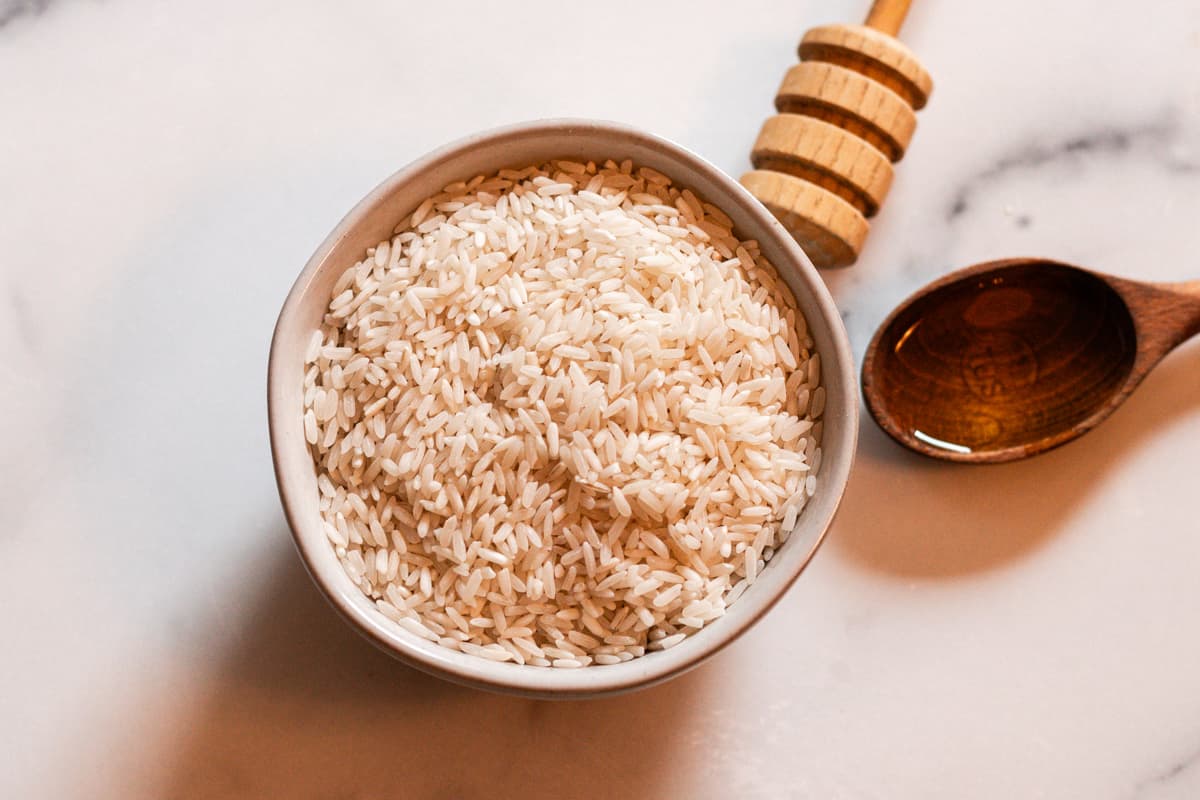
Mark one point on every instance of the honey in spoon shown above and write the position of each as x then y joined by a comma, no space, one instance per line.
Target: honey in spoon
1011,358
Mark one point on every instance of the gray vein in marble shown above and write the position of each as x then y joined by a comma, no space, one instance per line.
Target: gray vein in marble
1155,141
22,318
12,9
1167,776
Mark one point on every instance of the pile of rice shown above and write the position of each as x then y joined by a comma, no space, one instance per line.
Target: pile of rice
562,417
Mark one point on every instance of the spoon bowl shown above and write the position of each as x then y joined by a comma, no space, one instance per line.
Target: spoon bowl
1008,359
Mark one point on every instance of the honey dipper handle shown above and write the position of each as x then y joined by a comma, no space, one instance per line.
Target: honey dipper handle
888,15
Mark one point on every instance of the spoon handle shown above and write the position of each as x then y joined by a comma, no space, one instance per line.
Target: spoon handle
1189,292
1189,287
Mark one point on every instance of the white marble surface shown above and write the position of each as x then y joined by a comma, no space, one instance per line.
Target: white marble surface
165,169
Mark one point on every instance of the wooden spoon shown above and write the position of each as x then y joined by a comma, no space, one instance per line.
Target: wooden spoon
1008,359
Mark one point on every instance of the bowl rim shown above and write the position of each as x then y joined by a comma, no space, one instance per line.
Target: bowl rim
547,682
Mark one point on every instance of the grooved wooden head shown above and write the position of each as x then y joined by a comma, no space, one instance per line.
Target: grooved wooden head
873,54
824,154
850,101
847,111
830,230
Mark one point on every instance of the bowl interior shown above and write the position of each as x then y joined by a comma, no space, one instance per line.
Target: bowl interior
373,219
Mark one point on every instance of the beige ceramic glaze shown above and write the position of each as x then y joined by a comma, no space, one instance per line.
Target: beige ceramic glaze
373,219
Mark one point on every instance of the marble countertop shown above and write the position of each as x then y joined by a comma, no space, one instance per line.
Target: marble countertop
1020,631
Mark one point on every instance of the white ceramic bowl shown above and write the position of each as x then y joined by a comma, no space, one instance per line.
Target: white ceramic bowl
372,220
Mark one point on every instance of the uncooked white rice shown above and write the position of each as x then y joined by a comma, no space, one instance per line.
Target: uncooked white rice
563,417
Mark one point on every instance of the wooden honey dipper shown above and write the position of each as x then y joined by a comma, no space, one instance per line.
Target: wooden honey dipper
823,164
